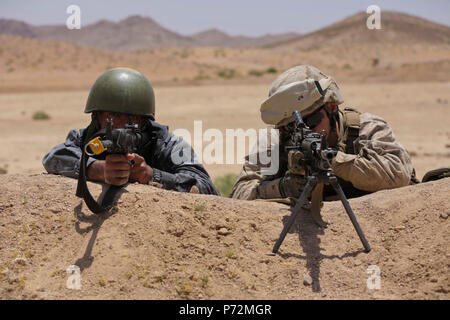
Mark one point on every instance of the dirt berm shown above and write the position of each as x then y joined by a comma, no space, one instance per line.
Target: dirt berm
159,244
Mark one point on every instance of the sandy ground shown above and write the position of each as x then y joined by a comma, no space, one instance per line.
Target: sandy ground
36,65
418,113
158,244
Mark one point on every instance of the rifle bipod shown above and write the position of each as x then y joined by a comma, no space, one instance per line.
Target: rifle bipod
313,180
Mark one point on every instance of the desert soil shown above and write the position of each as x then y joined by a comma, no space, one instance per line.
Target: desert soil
158,244
417,112
162,245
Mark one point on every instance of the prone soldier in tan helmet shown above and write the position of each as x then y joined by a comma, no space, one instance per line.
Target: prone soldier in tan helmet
369,158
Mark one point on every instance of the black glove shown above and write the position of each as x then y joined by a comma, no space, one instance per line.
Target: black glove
292,185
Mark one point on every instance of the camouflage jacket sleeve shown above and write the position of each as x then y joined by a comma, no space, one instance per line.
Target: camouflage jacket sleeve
253,183
64,159
248,181
380,161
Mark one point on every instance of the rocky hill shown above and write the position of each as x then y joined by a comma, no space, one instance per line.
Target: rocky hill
158,244
17,28
396,28
218,38
135,33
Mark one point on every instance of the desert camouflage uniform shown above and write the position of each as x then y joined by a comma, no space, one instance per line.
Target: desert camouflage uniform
368,159
377,162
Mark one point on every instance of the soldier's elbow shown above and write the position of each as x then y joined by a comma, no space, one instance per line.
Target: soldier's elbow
48,163
402,181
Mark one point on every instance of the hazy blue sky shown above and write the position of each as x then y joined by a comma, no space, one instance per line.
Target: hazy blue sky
246,17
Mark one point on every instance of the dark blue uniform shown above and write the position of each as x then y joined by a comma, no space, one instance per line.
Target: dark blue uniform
164,154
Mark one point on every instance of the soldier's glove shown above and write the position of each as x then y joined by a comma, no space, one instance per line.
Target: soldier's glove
269,189
292,185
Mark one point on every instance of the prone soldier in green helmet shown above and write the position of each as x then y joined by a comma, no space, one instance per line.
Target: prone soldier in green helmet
122,98
369,157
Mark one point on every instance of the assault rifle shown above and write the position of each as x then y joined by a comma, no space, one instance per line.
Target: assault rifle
310,155
113,141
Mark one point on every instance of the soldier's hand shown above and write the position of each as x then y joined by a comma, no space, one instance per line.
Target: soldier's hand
117,169
292,185
140,172
96,171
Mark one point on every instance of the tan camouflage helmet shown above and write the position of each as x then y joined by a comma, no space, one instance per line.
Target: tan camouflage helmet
303,88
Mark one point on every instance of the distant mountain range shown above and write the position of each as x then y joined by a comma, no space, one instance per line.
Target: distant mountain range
136,33
396,28
141,33
407,48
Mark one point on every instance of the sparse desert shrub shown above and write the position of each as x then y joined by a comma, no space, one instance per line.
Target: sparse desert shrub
147,284
159,278
185,54
255,73
41,115
347,67
200,206
184,288
201,76
102,281
20,282
219,52
227,73
259,73
205,280
230,254
225,184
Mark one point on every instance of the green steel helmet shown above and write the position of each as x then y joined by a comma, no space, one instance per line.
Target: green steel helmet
122,90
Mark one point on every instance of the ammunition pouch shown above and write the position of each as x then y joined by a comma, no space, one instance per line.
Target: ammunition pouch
351,125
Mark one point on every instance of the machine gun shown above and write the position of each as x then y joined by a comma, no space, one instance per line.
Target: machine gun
310,155
113,141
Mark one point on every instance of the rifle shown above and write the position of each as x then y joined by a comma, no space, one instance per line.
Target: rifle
311,155
113,141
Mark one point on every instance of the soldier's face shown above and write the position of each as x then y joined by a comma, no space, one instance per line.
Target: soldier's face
119,119
325,123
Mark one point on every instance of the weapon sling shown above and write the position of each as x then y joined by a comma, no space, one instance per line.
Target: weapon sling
83,191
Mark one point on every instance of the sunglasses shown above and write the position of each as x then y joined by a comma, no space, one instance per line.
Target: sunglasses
314,119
